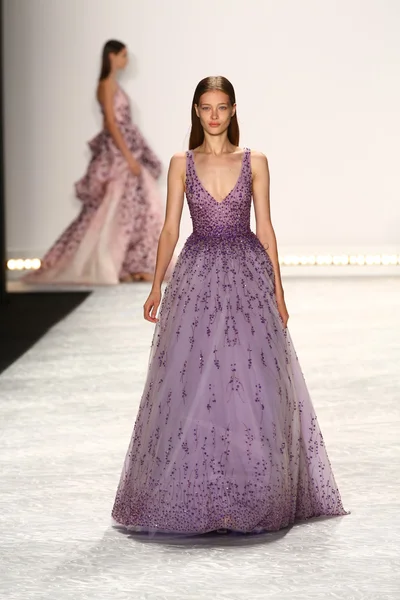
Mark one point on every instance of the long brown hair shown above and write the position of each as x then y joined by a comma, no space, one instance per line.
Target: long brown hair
206,85
110,47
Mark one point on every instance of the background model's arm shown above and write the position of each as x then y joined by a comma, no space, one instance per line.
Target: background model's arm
106,93
264,229
170,232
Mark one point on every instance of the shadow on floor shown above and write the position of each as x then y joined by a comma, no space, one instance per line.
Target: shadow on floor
25,318
211,539
214,538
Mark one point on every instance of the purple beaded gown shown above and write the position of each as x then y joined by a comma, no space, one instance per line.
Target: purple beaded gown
226,435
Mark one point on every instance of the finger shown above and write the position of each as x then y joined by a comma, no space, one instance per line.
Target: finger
147,313
146,310
154,310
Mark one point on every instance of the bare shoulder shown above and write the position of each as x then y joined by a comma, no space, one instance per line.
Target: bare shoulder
259,163
108,82
178,160
179,156
258,158
106,86
177,165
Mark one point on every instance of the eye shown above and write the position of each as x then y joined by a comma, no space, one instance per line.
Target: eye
223,107
205,108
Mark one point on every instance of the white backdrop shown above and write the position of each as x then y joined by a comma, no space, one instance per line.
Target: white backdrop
317,86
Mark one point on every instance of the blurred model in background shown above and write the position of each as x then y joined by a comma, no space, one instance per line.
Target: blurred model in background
115,236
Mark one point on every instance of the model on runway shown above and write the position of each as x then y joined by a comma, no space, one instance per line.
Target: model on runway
115,236
226,436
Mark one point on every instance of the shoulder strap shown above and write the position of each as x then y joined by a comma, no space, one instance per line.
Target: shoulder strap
247,162
189,166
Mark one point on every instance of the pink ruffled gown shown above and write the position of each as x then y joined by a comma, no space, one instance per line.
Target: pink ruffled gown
116,233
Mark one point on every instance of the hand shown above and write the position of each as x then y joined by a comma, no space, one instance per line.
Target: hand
134,166
283,311
151,306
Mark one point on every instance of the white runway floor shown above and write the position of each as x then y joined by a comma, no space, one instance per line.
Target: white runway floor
67,410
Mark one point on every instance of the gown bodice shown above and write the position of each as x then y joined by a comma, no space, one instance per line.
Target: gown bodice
104,147
227,218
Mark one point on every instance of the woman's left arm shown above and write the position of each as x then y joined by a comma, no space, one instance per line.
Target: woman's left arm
264,229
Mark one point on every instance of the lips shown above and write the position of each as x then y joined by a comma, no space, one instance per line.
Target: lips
214,124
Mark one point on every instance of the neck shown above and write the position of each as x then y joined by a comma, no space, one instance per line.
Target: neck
217,144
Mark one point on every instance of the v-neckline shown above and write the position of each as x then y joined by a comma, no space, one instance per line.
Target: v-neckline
206,191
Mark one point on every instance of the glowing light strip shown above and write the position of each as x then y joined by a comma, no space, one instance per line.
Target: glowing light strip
340,260
291,260
23,264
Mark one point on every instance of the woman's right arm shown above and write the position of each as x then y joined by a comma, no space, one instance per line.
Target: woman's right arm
169,234
106,98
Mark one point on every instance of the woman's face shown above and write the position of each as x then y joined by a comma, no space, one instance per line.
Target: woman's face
215,112
121,59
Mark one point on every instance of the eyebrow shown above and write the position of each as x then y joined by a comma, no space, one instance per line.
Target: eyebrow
220,104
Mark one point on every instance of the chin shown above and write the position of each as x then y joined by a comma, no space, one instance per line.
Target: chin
216,130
